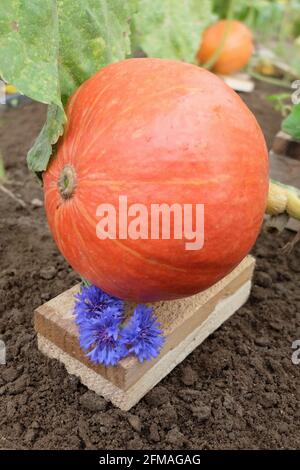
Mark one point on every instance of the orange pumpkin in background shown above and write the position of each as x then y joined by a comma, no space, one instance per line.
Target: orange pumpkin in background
157,131
237,49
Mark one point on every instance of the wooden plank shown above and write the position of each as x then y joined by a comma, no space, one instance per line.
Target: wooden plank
285,144
293,225
284,169
126,399
54,322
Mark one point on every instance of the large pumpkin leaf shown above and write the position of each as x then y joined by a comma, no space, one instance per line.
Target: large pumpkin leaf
291,124
28,44
48,48
171,28
41,151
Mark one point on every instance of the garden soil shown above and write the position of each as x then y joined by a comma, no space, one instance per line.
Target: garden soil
239,389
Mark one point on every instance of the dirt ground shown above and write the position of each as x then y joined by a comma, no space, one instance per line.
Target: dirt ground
237,390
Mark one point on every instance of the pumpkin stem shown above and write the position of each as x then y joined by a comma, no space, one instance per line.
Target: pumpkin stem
67,182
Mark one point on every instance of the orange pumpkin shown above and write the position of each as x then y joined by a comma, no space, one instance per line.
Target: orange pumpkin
157,131
237,49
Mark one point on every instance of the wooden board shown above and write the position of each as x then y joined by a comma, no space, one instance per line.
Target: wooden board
284,144
293,225
186,322
284,169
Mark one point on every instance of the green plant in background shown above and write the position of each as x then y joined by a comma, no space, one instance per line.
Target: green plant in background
2,170
291,113
171,28
291,124
281,102
265,17
275,25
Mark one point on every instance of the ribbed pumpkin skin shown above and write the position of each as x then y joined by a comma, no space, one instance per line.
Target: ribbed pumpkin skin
237,49
158,131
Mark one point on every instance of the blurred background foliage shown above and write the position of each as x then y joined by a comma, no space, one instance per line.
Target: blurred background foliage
275,25
172,29
276,28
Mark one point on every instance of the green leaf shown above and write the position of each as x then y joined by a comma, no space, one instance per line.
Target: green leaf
39,155
92,34
2,169
50,47
28,45
291,124
171,28
279,97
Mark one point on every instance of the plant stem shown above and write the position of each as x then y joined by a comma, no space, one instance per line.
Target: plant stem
281,35
249,20
213,59
2,170
12,196
271,80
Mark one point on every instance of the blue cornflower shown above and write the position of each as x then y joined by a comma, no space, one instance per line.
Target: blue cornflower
92,302
142,334
102,334
100,338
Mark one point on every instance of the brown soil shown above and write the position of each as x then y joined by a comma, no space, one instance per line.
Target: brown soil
237,390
